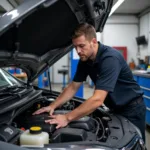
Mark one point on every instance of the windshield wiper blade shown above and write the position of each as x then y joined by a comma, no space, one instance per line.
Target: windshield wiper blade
11,87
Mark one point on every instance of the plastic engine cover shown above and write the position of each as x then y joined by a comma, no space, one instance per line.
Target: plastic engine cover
72,135
69,135
85,123
39,120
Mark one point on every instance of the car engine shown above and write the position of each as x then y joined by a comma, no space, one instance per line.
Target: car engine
88,128
81,130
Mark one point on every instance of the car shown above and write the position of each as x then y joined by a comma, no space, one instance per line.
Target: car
33,37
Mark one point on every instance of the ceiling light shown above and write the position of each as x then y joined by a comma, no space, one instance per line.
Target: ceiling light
117,4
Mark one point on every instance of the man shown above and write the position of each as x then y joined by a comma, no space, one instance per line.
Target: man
114,83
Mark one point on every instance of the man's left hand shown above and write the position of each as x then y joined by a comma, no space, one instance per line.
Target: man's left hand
60,120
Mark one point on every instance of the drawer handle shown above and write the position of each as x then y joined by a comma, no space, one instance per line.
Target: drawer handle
148,108
145,88
146,97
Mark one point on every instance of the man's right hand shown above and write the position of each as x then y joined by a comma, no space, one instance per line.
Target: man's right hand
48,109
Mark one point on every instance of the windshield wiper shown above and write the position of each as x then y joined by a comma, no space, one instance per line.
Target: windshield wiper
10,91
11,88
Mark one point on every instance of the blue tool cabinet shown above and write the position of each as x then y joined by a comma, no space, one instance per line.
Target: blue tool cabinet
143,79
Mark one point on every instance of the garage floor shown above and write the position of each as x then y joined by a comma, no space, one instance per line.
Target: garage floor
88,92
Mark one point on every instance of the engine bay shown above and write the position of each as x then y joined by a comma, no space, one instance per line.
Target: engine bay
100,127
88,128
81,130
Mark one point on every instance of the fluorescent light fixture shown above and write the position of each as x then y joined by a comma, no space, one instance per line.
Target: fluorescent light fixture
118,3
13,14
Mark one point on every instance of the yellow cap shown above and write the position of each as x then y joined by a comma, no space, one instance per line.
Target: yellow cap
35,130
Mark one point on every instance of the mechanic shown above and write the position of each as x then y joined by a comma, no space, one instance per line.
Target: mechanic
113,80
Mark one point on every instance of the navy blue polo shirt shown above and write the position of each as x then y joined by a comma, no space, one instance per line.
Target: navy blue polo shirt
111,73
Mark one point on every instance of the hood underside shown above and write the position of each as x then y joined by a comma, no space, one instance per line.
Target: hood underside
38,33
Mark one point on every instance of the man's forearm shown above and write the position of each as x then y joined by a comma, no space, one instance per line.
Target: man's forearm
88,106
84,109
65,96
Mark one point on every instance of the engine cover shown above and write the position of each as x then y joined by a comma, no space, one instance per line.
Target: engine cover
85,123
72,135
39,120
69,135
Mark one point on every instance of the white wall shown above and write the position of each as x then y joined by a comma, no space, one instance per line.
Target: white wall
6,5
56,77
121,31
145,30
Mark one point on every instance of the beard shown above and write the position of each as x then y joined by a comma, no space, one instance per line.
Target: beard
84,58
89,56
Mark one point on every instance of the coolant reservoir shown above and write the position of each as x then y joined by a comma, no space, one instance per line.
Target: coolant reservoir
34,136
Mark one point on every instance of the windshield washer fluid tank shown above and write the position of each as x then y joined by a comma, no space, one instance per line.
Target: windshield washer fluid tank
34,136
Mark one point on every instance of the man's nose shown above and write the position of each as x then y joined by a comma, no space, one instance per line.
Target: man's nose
78,50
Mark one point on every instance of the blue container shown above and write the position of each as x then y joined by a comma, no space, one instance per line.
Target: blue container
12,71
18,71
40,81
148,116
46,83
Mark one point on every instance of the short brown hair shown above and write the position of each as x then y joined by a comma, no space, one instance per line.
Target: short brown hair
84,29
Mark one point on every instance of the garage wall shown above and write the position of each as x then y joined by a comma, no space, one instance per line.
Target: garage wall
121,31
58,78
145,30
6,5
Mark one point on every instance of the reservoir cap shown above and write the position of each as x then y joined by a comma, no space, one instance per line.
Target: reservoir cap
35,130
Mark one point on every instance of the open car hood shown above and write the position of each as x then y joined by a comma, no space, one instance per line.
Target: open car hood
38,33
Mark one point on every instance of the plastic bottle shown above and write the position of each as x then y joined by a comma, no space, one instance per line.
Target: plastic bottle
148,69
34,136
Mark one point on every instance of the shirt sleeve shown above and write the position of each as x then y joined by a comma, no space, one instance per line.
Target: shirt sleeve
108,74
81,73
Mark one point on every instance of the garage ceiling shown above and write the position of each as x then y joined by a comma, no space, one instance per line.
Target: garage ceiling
134,7
127,7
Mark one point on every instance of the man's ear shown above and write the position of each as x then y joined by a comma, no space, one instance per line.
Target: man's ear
94,40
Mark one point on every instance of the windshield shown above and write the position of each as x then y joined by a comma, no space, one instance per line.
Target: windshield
7,80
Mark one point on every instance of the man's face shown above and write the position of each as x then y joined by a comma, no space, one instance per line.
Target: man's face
84,47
